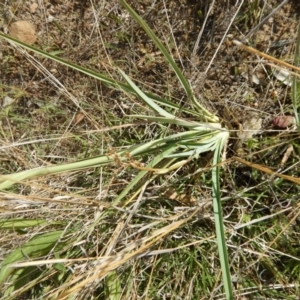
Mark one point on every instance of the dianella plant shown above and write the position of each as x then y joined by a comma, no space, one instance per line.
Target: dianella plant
200,133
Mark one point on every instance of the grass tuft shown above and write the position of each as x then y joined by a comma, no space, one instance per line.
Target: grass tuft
144,155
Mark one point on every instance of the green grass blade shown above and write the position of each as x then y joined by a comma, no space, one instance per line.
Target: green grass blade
61,61
37,247
169,149
206,141
9,180
102,77
19,279
160,46
201,126
14,224
216,193
204,112
145,98
113,288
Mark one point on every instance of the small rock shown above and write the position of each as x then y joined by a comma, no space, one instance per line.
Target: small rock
50,19
23,31
247,130
7,101
284,121
250,127
33,7
78,118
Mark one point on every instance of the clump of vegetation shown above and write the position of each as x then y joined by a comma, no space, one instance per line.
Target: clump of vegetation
119,163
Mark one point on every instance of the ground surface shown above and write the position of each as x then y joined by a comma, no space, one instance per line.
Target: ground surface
49,121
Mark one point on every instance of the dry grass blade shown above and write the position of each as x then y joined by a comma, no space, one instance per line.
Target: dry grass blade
280,68
131,251
266,56
267,170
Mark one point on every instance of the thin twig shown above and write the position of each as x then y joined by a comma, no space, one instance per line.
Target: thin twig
264,55
202,28
223,38
265,19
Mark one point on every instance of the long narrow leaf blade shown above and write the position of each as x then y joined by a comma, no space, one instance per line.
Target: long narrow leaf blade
38,246
216,193
102,77
145,98
204,112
